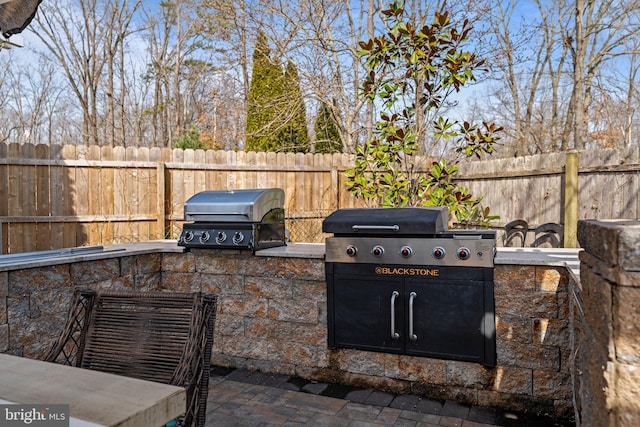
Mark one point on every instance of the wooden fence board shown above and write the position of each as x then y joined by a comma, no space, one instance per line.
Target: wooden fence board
43,198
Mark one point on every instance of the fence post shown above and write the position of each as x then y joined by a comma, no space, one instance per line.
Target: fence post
160,200
571,200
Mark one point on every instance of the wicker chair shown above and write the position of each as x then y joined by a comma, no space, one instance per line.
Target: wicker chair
157,336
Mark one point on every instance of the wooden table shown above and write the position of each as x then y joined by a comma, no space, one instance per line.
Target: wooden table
94,398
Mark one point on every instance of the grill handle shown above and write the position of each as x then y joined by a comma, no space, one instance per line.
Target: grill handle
412,336
357,227
394,334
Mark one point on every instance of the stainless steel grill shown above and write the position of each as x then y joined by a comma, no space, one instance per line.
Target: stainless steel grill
244,219
399,281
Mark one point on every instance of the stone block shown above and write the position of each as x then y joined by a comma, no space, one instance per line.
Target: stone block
300,268
512,380
514,277
260,327
293,311
128,266
4,338
629,246
600,239
243,306
221,284
594,383
626,324
149,263
613,241
4,283
229,324
312,333
596,304
148,282
526,304
212,262
239,346
510,328
126,283
3,310
83,273
551,279
258,266
418,369
181,282
554,332
312,289
529,356
615,274
179,262
49,302
268,287
626,402
552,385
292,353
472,375
22,282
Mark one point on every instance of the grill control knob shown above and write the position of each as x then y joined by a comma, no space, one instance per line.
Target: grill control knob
464,253
377,250
352,250
221,237
406,251
238,238
438,252
188,236
204,238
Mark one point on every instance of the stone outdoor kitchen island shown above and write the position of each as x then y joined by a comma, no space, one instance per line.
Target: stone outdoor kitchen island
272,317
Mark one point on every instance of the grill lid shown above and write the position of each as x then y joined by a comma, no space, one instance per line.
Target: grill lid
233,205
387,221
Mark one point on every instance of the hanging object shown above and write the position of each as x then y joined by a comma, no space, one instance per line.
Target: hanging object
15,15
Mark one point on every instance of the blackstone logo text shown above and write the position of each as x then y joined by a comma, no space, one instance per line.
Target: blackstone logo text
34,415
407,271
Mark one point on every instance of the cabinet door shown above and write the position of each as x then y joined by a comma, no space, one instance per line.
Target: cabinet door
447,319
362,312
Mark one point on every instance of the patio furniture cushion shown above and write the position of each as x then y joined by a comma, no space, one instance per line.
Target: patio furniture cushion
157,336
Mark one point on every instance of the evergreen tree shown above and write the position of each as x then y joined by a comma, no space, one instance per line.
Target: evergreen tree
262,111
276,118
294,136
327,135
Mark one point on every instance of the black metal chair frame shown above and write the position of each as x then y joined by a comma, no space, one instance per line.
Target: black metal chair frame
551,233
517,228
157,336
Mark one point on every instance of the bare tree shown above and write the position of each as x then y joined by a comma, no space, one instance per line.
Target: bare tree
527,62
119,15
172,43
72,33
602,30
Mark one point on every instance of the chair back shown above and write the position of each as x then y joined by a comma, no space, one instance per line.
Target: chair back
156,336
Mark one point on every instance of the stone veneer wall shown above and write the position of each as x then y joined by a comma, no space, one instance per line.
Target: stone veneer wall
34,301
272,317
607,324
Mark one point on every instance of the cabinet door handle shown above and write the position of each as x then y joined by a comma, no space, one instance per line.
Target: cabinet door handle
412,336
394,334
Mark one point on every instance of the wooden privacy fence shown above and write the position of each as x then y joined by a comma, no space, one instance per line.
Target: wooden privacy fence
66,196
63,196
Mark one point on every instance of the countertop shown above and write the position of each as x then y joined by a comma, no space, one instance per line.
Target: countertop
505,256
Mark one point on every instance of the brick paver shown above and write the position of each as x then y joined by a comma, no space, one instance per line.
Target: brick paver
239,398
